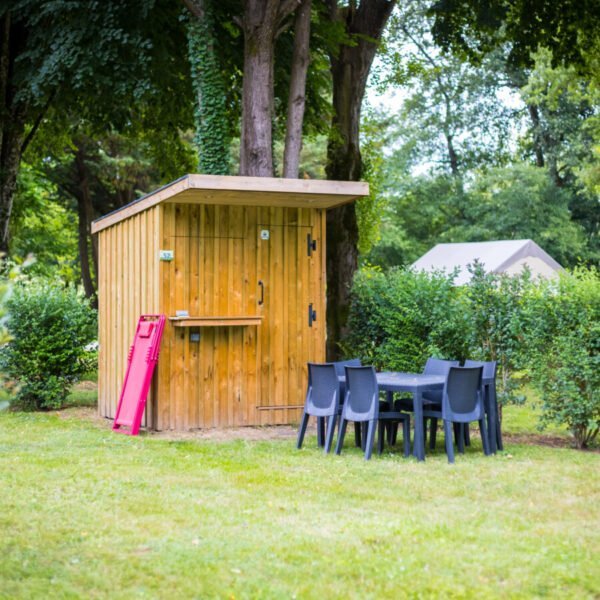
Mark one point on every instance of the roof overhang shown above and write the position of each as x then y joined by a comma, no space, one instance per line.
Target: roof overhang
242,191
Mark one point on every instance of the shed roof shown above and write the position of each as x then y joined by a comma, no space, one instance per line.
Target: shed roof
502,256
242,191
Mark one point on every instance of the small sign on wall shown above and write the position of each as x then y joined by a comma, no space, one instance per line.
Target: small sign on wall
167,255
264,234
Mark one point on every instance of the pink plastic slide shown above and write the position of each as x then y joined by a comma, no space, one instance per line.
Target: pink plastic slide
143,356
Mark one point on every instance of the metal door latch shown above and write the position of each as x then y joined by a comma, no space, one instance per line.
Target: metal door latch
311,245
312,315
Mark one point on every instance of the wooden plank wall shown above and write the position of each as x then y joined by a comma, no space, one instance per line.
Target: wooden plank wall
239,375
128,286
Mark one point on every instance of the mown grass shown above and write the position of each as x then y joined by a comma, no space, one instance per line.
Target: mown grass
88,513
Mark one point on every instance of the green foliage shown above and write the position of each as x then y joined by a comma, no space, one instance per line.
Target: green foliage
369,211
563,347
512,202
44,228
49,326
450,116
6,286
569,29
496,324
520,201
399,318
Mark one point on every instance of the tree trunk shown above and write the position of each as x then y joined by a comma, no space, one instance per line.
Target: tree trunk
349,69
297,96
12,129
452,154
537,134
84,213
10,158
259,25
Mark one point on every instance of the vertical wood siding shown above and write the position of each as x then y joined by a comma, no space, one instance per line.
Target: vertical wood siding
128,286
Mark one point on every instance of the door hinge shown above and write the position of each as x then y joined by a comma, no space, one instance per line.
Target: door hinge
311,245
312,315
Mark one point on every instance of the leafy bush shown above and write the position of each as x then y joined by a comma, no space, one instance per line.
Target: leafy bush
548,331
399,318
563,347
49,326
496,304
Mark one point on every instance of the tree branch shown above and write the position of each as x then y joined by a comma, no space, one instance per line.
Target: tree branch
38,122
286,8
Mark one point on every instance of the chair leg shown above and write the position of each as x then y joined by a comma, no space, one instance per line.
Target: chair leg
484,437
357,435
424,432
449,445
363,433
320,431
330,432
302,430
460,437
406,436
372,425
498,427
394,430
389,430
433,425
381,427
467,434
341,435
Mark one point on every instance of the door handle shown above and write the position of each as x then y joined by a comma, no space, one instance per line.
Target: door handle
262,292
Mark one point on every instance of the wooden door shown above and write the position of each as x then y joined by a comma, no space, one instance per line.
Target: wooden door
289,276
207,375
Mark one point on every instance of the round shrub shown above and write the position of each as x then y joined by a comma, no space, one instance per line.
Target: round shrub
49,326
562,338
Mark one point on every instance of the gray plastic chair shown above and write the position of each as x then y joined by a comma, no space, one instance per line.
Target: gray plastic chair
490,402
462,402
340,367
361,405
322,400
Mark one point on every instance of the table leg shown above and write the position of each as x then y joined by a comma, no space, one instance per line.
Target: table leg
419,443
492,416
498,432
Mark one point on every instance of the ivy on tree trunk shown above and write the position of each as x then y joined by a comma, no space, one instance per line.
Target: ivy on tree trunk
212,137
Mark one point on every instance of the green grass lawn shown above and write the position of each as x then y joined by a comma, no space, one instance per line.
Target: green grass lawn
88,513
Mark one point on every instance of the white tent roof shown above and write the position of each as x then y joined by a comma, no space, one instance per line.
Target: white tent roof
503,256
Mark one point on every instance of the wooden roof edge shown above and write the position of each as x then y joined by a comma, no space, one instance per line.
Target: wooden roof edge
140,204
236,183
350,190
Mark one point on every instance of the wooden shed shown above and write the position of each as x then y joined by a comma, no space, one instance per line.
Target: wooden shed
238,266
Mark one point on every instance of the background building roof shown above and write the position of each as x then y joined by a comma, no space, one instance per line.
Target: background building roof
503,256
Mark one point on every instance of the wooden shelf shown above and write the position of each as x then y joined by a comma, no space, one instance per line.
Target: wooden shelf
239,321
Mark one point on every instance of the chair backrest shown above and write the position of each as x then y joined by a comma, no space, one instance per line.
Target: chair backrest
489,368
340,365
362,395
323,395
438,366
462,400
